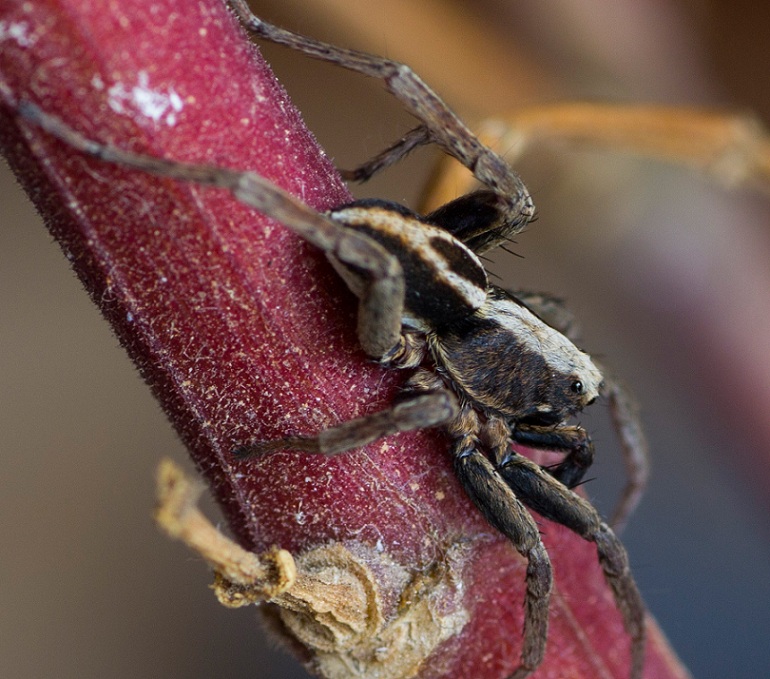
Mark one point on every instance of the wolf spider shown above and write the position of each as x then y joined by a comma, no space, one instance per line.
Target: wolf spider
487,366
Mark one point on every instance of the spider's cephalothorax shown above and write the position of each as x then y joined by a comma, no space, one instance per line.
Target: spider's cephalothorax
487,367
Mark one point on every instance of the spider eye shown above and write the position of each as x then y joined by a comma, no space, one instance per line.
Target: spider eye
577,387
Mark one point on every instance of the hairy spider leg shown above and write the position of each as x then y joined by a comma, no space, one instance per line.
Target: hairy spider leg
381,305
416,411
546,491
439,122
636,456
553,500
419,136
625,420
501,507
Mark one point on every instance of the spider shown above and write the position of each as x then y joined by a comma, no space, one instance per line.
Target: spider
487,367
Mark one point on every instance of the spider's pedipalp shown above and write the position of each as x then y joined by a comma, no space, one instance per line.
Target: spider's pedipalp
623,410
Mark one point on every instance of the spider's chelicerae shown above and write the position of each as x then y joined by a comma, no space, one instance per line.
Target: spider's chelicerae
486,365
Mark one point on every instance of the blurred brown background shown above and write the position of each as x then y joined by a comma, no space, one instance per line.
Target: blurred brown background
668,272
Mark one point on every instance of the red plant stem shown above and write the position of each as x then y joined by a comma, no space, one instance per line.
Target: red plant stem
242,330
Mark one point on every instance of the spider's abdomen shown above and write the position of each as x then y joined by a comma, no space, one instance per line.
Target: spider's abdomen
445,281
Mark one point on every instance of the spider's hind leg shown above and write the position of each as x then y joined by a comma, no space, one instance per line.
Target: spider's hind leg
419,136
381,300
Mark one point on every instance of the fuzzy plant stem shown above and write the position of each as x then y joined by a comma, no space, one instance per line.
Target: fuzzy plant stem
242,332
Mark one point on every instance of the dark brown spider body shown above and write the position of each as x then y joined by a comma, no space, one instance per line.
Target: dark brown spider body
537,375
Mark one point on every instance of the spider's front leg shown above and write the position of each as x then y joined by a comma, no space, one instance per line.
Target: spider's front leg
496,500
625,418
552,499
